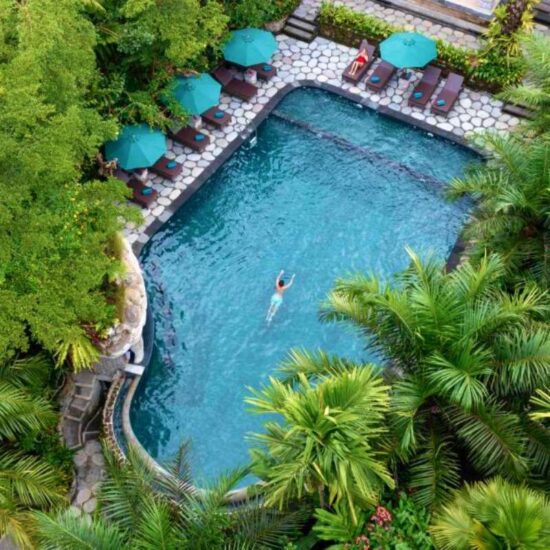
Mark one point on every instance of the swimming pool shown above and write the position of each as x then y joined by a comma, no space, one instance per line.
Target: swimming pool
325,189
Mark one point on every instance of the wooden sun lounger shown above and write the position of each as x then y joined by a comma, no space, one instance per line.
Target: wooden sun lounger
167,168
361,71
233,86
265,71
188,136
448,95
382,75
138,197
216,117
426,87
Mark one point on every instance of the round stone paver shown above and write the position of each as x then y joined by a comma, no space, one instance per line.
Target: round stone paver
90,505
83,495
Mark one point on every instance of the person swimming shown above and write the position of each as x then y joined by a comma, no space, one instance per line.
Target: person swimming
277,298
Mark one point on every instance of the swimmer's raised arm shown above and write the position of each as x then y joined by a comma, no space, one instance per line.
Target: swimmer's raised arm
290,282
279,278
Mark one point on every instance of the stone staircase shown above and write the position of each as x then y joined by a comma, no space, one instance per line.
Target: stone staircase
301,28
77,423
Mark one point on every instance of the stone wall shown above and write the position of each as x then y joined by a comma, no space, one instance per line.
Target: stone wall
128,332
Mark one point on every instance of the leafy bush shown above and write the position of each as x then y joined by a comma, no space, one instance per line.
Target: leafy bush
487,69
256,13
395,524
494,514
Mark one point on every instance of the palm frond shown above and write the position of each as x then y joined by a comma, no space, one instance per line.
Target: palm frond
66,531
29,480
542,402
261,527
493,438
435,471
22,413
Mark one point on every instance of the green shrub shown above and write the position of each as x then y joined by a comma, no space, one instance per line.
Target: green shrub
256,13
486,69
395,524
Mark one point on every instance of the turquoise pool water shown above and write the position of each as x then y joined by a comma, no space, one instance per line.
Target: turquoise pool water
328,189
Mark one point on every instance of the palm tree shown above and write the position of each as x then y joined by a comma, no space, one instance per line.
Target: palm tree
534,92
494,515
26,481
328,443
465,357
512,192
140,510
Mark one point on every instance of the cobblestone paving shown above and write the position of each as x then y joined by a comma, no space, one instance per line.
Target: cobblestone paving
320,61
309,9
90,466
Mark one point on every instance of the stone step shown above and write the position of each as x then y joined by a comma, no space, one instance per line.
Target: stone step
85,377
91,435
300,34
79,404
517,110
83,385
84,392
542,13
301,24
73,418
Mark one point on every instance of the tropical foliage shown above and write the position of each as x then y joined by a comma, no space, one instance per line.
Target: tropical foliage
510,23
534,92
135,514
142,44
26,480
512,194
330,441
55,225
467,356
494,515
395,524
255,13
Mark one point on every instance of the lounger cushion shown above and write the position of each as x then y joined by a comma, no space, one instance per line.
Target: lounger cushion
375,78
267,68
171,164
199,137
147,191
441,102
418,95
218,114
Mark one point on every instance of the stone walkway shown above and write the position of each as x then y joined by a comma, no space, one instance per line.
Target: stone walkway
321,61
90,470
310,8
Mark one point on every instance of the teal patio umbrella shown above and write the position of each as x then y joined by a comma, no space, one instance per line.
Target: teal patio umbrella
137,146
248,47
406,50
197,94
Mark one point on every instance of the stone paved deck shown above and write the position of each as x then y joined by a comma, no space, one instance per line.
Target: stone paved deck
322,61
310,8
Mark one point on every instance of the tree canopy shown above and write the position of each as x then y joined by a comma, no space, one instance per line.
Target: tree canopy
56,225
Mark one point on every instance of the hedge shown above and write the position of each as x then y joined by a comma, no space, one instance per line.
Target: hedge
485,69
